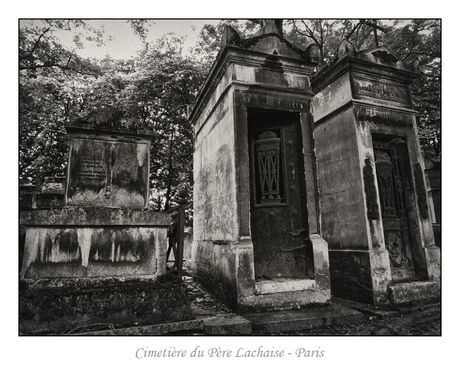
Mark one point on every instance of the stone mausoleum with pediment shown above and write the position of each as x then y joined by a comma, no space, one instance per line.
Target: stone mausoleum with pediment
309,184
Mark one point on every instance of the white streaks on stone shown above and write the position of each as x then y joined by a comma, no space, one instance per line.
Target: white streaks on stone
84,241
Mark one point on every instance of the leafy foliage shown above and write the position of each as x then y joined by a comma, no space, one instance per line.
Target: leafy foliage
48,73
419,43
414,41
156,87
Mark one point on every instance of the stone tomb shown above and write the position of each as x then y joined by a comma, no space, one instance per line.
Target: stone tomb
105,228
257,237
97,259
374,207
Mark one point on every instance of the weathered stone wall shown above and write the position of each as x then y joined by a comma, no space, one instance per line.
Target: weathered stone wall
343,216
362,106
215,222
60,306
108,171
215,196
89,242
263,75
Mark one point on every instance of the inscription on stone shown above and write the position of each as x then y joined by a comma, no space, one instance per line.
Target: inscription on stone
381,90
108,173
91,170
274,102
382,117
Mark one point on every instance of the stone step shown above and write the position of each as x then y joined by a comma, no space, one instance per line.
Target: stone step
298,320
231,324
413,291
150,330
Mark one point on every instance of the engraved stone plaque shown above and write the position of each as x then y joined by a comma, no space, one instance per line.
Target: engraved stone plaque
381,90
108,172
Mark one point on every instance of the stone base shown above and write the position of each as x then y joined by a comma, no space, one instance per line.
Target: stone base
351,275
413,291
275,323
227,270
284,300
283,285
61,306
93,242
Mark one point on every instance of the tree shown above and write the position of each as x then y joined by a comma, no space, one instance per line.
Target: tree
166,83
418,42
210,39
47,73
39,49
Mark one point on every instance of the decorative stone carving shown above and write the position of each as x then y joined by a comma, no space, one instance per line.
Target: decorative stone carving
380,119
421,192
385,56
370,190
346,48
268,163
272,26
231,36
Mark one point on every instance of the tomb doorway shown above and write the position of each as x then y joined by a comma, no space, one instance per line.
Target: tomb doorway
279,217
395,188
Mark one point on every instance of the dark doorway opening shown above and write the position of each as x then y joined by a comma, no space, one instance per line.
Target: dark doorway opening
279,217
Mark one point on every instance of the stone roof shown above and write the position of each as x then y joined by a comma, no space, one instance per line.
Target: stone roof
269,43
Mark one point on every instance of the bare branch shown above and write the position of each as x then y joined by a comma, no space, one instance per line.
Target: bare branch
357,25
29,54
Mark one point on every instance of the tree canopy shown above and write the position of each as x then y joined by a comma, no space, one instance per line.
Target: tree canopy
157,86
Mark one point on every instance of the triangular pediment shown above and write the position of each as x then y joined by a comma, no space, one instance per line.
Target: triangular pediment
270,43
274,44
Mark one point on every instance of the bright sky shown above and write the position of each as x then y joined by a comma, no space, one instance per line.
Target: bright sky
125,43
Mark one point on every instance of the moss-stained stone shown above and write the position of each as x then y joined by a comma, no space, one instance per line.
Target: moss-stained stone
413,291
85,242
351,276
58,306
92,251
81,216
249,77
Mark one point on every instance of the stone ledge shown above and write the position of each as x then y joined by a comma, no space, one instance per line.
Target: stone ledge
283,285
227,325
151,330
413,291
88,216
287,300
299,320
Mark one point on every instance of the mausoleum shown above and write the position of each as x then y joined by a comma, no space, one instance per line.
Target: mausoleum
257,233
375,214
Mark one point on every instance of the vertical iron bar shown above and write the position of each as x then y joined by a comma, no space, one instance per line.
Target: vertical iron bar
180,239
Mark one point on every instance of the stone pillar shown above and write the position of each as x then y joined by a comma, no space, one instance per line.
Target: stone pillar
253,82
373,198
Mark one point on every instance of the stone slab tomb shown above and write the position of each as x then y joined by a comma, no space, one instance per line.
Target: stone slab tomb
257,236
374,208
104,227
99,258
